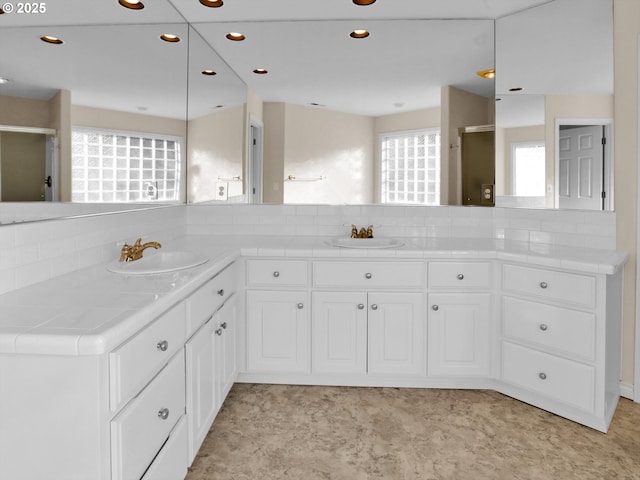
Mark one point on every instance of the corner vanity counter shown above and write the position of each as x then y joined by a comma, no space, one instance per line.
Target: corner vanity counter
112,376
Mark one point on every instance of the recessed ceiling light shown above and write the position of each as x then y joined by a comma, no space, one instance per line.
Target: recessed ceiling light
359,34
209,72
498,99
235,36
1,11
3,80
364,2
170,37
50,39
212,3
132,4
490,73
260,71
516,89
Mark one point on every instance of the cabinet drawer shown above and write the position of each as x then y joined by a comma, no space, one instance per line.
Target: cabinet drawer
133,364
171,462
208,298
566,331
460,274
563,380
369,274
565,287
140,430
270,273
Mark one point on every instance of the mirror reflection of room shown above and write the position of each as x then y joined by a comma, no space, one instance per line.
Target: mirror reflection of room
349,121
565,80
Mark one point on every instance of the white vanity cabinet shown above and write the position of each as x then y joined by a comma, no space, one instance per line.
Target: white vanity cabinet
360,332
278,325
278,315
339,332
153,408
397,327
459,324
210,353
361,318
136,411
459,334
370,328
560,337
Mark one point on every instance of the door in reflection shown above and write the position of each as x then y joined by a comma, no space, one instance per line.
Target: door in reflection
478,167
22,166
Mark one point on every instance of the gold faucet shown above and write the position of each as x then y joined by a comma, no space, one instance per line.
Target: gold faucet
363,233
129,253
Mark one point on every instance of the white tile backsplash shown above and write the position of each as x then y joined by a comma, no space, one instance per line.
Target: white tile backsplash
32,252
554,227
37,251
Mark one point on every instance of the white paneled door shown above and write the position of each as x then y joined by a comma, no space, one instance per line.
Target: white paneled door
581,168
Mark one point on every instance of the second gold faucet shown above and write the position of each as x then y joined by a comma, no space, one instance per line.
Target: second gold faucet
363,233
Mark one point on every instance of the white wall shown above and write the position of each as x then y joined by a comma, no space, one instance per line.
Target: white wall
626,29
215,153
312,142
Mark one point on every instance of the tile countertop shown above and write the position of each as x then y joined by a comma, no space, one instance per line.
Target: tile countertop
91,311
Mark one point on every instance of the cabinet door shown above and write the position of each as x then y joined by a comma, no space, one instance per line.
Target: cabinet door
459,334
225,346
278,331
202,404
171,462
339,332
397,333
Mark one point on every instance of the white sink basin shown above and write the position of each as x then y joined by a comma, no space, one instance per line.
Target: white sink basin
365,242
158,262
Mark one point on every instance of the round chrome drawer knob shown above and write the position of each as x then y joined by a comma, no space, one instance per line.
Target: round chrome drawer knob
543,285
460,276
435,308
368,276
300,306
360,306
543,327
276,274
374,307
163,414
542,375
162,346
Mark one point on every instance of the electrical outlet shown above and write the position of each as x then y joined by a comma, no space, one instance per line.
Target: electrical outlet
222,190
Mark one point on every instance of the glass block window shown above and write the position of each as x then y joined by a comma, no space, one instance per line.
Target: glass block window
410,164
528,169
111,166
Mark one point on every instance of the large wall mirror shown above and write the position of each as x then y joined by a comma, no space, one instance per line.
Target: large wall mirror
104,68
327,99
333,88
554,114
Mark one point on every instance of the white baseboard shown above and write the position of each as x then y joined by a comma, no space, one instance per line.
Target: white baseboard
626,391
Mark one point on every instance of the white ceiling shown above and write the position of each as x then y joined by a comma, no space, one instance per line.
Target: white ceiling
306,48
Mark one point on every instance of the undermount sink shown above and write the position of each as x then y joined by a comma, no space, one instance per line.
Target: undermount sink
365,242
158,262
